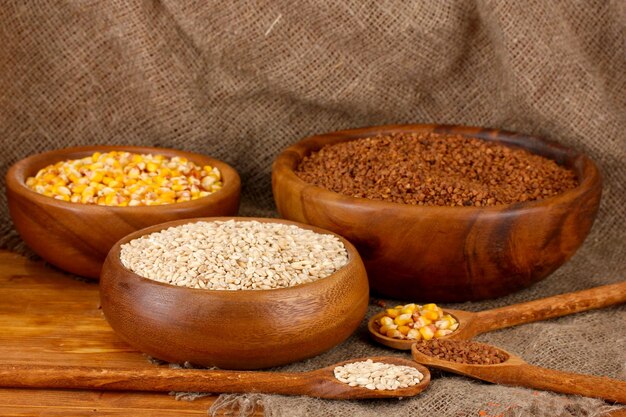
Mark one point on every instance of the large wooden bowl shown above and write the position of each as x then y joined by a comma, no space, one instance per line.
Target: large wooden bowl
426,253
246,329
77,237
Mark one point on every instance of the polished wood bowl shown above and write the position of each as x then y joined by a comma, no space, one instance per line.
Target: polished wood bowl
247,329
77,237
430,253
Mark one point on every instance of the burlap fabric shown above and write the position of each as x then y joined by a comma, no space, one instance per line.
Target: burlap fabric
241,81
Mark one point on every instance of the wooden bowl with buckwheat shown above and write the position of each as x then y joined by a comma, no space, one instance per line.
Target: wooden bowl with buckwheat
442,253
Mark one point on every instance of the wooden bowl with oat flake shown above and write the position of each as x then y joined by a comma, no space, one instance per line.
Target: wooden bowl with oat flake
229,328
441,252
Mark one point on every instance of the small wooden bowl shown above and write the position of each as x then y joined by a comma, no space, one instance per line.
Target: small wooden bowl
77,237
447,254
248,329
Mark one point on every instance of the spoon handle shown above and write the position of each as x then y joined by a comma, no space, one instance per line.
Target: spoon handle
153,379
531,376
547,308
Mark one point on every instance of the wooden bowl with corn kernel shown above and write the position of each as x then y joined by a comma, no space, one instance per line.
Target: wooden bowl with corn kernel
71,205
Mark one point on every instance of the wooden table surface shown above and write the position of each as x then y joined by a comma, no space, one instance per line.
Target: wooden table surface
46,317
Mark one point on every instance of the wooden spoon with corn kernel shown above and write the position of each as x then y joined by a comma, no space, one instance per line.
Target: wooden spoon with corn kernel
472,324
320,383
516,372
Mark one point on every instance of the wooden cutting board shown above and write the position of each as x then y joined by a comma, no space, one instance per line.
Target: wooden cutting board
47,317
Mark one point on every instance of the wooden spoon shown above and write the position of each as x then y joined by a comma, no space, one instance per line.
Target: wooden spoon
472,324
515,371
319,383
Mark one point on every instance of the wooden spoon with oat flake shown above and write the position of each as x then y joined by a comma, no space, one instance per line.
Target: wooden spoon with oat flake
515,371
473,324
320,383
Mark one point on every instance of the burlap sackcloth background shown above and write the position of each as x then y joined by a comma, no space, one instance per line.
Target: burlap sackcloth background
242,81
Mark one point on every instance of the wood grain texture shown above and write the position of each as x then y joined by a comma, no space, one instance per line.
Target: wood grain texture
516,372
77,237
472,324
233,329
448,254
320,383
50,319
72,403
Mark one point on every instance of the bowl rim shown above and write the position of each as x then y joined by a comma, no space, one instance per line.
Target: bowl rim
588,174
16,182
114,256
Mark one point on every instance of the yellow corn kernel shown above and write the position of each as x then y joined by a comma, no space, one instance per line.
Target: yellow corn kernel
427,332
87,194
431,315
449,317
430,306
404,329
393,313
386,321
403,319
443,324
96,156
423,321
151,167
109,198
442,333
74,178
134,173
61,190
168,195
48,177
207,182
395,334
385,329
414,334
408,309
97,176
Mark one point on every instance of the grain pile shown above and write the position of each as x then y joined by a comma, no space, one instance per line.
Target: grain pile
378,375
124,179
234,255
462,351
435,170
